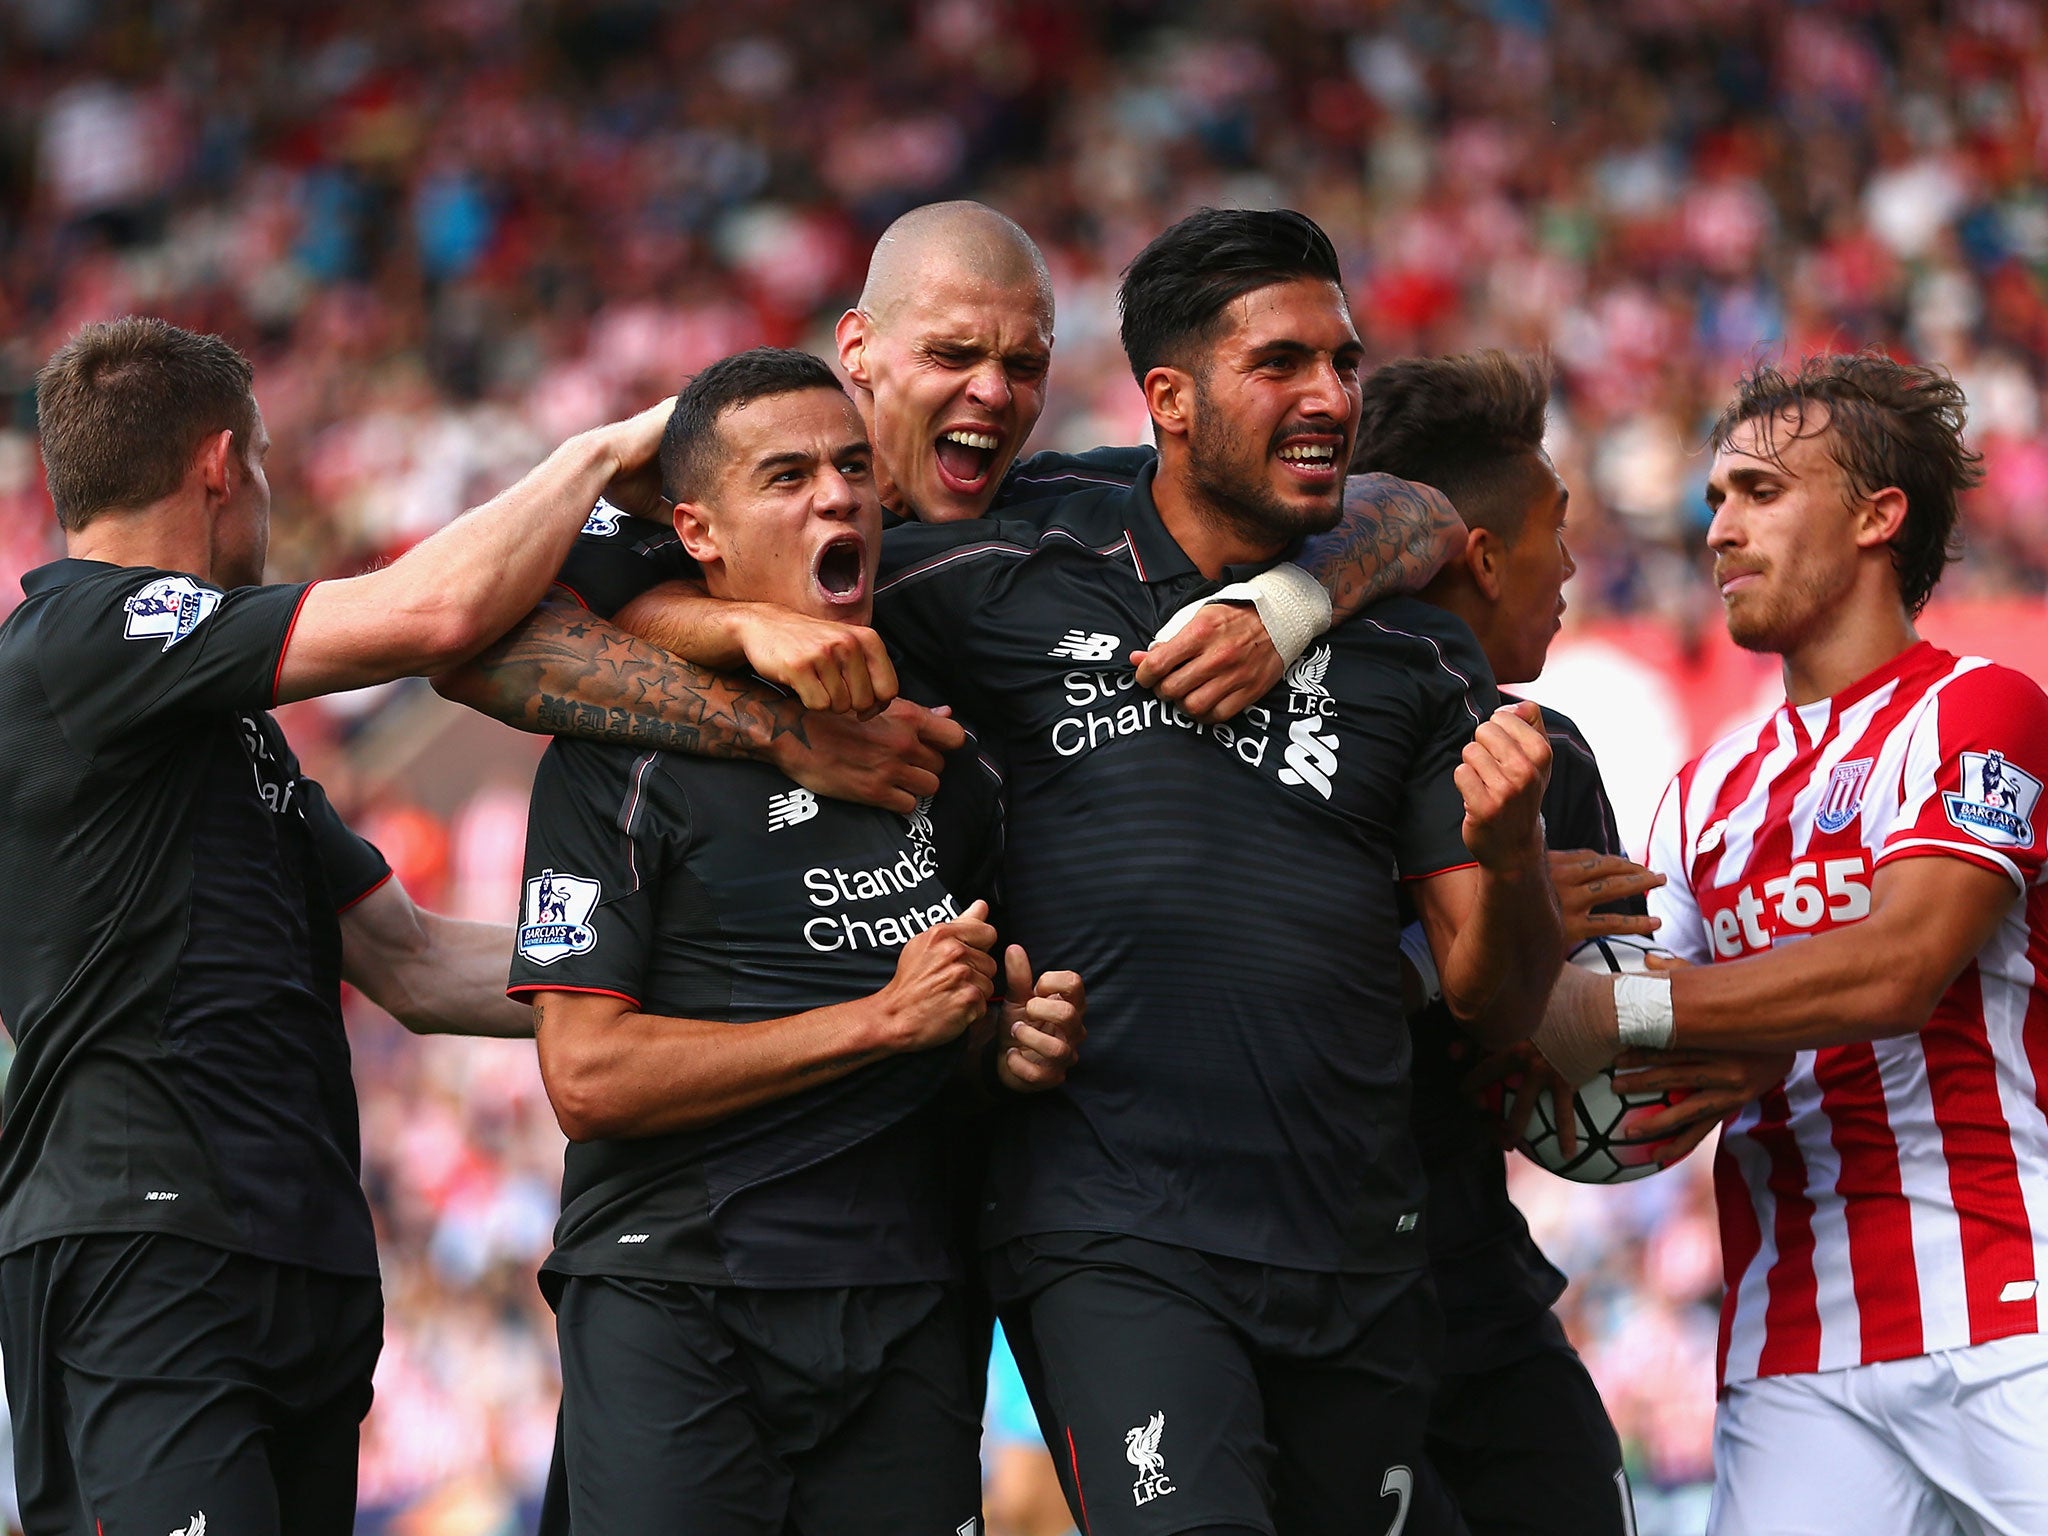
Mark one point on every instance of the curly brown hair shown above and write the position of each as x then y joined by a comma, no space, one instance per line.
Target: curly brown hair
1887,424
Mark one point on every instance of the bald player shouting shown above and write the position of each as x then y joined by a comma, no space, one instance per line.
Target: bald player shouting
947,352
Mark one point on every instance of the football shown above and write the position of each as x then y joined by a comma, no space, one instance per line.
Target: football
1606,1153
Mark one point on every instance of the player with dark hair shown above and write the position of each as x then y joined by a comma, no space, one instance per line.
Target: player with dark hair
1209,1246
947,352
1517,1429
188,1278
1851,887
747,1010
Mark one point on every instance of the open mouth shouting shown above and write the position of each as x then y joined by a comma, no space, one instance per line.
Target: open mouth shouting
966,456
840,570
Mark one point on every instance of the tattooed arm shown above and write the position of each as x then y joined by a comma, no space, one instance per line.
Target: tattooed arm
1395,536
564,672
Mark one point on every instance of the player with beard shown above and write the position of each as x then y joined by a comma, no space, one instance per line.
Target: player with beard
1210,1245
947,352
1517,1430
1859,878
748,1002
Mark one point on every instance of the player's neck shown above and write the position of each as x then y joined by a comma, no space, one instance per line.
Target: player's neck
1206,533
1860,638
174,534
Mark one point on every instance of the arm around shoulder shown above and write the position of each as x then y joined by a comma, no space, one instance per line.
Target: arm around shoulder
436,975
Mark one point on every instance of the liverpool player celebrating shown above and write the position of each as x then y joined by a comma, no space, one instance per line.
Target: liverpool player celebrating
1884,1213
747,1001
1209,1246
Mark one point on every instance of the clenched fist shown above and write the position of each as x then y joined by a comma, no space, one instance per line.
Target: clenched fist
943,982
1041,1027
1504,773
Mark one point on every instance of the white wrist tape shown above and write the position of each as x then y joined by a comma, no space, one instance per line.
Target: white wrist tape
1415,950
1291,604
1642,1011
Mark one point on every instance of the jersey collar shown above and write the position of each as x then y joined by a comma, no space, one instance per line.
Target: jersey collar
60,573
1156,553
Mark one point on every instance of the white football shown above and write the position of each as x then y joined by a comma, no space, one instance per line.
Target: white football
1606,1153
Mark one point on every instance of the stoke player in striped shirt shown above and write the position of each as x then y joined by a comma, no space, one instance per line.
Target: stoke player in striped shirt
1884,1211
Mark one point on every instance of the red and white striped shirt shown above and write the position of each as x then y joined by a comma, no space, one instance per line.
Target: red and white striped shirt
1891,1197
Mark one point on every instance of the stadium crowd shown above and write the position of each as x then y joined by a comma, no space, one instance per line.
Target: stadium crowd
451,232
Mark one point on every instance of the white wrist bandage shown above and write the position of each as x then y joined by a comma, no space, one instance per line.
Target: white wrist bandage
1291,604
1642,1011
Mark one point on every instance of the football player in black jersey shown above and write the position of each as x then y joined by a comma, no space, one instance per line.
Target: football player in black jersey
1209,1246
748,1001
1517,1430
188,1277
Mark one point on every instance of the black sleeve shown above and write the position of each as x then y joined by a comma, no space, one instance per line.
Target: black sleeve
601,829
1454,693
1576,810
135,649
617,557
1056,474
353,866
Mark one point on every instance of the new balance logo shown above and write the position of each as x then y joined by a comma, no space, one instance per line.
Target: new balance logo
1141,1450
1081,645
791,807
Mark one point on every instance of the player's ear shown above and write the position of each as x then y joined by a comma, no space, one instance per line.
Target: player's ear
1881,517
852,335
700,540
1170,397
217,463
1486,559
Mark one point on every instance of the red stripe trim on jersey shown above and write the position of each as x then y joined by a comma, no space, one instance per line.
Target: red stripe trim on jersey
563,586
1929,847
1983,1173
1742,1239
1080,1498
277,676
1728,799
1448,869
526,989
367,892
1874,1205
1792,1313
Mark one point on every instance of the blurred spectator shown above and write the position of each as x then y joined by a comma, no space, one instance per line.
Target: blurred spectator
450,232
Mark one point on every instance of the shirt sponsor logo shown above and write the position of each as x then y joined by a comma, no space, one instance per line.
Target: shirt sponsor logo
1141,1450
789,807
1082,645
913,873
1811,897
1997,802
169,609
557,925
603,521
1104,714
1311,756
1844,796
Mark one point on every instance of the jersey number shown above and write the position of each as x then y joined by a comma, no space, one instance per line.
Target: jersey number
1400,1482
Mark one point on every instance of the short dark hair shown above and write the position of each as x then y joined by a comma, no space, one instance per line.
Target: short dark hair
1888,424
689,441
124,405
1176,288
1467,425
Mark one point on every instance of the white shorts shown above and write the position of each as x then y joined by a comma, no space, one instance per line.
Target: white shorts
1935,1445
